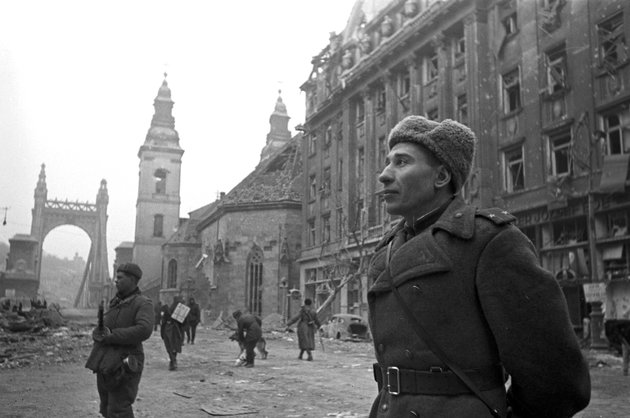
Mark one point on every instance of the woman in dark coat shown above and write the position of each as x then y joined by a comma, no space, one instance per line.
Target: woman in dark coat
307,325
172,333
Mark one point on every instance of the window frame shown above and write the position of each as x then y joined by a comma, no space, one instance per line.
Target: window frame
509,183
622,129
158,225
610,46
555,149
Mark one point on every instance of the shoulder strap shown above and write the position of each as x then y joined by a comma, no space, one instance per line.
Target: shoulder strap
424,336
496,215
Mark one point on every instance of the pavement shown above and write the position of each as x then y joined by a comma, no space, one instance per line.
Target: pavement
338,383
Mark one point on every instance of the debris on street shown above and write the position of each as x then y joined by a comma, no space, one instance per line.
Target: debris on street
41,336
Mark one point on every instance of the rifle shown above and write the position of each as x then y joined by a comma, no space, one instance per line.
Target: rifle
101,331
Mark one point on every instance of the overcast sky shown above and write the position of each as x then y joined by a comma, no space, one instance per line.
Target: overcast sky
78,80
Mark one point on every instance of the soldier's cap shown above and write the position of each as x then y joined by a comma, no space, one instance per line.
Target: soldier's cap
450,142
131,269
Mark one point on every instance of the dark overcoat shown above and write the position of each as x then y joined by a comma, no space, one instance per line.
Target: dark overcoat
307,324
249,328
131,322
474,282
171,331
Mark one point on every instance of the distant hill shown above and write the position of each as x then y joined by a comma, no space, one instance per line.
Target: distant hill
61,279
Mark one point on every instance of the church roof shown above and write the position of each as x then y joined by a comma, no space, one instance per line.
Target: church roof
187,231
277,178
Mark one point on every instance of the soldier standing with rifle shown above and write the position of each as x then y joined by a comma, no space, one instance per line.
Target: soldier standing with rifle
117,356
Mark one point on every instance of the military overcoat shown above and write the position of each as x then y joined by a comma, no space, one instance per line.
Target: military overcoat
474,282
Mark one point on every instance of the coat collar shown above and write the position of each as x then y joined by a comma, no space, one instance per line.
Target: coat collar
458,219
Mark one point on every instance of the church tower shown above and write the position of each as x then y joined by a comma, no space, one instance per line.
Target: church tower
279,133
157,207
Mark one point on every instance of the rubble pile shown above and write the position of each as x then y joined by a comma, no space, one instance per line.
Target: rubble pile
41,336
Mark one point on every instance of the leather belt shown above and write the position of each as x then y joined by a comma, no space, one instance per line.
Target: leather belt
435,381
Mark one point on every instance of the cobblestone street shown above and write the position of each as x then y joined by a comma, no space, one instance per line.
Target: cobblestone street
338,383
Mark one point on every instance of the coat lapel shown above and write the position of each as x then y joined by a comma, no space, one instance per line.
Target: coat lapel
418,257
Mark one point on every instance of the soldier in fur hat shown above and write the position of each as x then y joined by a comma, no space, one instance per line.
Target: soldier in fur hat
458,299
117,356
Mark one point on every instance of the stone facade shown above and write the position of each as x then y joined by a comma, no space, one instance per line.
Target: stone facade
242,239
544,84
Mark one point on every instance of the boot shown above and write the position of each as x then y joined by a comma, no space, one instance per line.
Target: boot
301,353
310,357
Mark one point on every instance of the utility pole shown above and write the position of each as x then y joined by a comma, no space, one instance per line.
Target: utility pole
5,208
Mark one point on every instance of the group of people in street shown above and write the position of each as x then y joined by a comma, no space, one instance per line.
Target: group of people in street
458,303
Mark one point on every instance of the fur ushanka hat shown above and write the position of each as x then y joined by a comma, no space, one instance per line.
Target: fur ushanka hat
452,143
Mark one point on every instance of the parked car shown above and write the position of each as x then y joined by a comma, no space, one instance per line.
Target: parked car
346,327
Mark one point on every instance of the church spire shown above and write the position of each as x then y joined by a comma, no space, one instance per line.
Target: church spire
279,133
162,131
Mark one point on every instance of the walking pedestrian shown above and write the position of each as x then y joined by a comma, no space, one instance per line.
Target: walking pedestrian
172,332
158,315
249,332
117,355
307,324
192,320
459,297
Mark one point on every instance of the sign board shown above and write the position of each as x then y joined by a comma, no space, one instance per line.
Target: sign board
180,312
595,292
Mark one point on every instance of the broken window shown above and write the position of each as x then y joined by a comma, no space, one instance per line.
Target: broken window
617,132
360,111
340,174
327,140
432,114
560,151
462,109
569,231
312,144
311,275
556,63
612,42
404,84
160,181
360,166
340,222
431,68
312,236
326,228
618,223
380,99
460,48
382,154
513,163
312,187
511,91
509,24
326,181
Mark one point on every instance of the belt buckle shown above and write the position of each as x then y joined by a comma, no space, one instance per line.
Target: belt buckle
389,380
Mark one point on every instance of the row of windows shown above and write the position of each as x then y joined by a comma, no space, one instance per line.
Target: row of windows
615,140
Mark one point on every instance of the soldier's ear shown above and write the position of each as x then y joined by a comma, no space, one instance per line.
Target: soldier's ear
443,177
